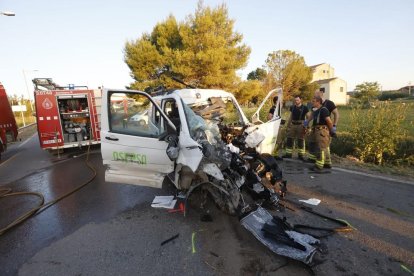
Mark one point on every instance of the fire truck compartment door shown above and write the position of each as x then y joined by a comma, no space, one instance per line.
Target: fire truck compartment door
132,147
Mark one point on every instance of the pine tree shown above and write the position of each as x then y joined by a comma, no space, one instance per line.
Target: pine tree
203,50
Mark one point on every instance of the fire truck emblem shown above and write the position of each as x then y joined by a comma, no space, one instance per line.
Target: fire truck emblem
47,104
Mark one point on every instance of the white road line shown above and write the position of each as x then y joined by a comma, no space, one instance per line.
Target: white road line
7,160
374,176
27,140
363,174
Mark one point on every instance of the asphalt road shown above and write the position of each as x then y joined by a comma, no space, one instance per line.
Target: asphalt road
108,228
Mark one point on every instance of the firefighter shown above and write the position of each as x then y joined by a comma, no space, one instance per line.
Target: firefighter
330,105
273,108
322,130
296,132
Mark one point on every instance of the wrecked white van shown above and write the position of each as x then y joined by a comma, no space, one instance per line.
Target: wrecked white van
196,137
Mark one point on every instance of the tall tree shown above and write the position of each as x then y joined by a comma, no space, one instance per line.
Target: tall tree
289,71
258,74
367,91
203,50
250,91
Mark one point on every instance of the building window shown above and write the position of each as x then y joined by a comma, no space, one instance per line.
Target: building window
341,89
324,71
322,89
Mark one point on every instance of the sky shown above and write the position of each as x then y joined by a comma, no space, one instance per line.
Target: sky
81,42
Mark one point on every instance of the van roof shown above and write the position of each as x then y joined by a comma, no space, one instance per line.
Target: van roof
195,96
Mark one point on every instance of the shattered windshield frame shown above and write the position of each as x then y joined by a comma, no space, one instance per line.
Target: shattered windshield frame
194,121
199,116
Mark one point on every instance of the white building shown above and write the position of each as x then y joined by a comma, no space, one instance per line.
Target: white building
335,88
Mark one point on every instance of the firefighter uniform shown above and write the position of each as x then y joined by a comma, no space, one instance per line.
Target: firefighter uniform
312,143
321,136
296,133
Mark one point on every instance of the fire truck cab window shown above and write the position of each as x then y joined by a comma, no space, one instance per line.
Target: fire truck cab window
133,114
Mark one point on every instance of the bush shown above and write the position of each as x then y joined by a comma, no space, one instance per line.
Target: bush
343,145
404,154
392,96
377,131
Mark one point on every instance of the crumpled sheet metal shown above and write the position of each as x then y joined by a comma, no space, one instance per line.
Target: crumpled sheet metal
254,139
213,170
212,132
254,223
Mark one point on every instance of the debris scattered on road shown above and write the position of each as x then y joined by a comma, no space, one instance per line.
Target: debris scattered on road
210,265
206,217
170,239
406,269
255,221
214,254
347,223
398,212
167,202
180,208
311,201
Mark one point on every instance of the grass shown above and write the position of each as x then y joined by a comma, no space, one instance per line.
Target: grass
405,172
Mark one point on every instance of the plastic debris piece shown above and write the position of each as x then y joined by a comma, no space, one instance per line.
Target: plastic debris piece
406,269
254,223
167,202
347,223
170,239
193,250
311,201
180,208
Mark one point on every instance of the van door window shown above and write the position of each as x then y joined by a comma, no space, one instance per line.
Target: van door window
171,109
132,114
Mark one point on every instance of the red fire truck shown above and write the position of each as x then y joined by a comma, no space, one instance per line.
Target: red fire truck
66,116
8,127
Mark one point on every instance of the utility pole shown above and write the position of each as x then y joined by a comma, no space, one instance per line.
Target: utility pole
27,87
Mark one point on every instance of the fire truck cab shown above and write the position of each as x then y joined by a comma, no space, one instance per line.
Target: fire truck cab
66,116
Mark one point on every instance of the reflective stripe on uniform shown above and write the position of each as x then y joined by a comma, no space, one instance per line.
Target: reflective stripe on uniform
319,162
328,160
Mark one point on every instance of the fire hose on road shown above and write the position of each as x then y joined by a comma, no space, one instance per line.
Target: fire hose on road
7,192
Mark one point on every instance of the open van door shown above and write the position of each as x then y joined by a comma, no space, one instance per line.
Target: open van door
133,132
270,128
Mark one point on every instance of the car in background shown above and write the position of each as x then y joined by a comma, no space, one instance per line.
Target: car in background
140,119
